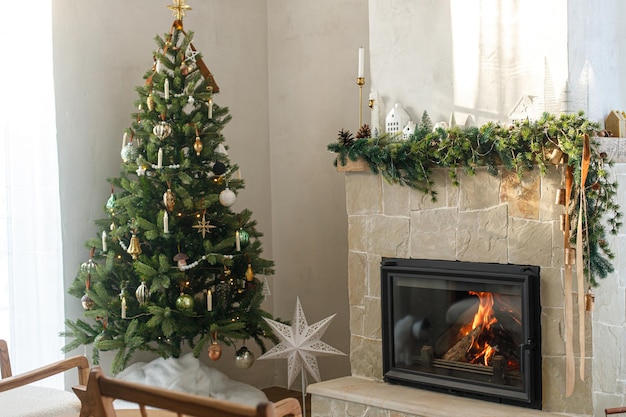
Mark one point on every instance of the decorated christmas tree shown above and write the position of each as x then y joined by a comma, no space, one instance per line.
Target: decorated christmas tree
172,263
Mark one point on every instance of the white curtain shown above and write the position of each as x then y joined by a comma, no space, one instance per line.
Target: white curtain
31,278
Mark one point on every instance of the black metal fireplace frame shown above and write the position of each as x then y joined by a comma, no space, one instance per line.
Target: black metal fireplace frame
526,276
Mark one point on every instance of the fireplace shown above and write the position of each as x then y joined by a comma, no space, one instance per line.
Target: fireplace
465,328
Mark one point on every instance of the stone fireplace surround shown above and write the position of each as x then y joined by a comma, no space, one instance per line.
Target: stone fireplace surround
484,219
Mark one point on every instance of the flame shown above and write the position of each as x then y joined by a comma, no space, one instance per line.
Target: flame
480,350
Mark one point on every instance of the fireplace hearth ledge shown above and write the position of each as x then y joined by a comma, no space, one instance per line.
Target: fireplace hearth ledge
329,398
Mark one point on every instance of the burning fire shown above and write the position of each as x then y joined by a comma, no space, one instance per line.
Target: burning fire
480,350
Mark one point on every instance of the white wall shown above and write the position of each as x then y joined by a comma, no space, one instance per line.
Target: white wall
287,71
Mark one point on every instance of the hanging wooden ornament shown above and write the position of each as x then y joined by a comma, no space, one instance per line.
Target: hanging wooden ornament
589,300
134,247
143,294
169,200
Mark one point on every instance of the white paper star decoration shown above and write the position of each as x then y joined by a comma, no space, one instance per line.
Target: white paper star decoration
300,344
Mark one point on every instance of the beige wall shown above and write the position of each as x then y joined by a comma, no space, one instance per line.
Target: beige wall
287,72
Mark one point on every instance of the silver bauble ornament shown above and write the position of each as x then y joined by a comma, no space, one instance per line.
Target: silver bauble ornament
128,152
87,302
142,294
162,130
227,197
244,358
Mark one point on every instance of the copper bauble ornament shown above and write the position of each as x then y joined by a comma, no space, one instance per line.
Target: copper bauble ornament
143,294
244,358
134,248
184,303
87,302
197,146
169,200
215,351
162,130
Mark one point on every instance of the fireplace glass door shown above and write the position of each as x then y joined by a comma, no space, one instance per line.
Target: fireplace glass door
466,328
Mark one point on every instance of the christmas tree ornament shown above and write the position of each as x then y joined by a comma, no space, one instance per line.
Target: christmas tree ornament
181,260
158,66
209,300
103,336
227,197
150,102
184,70
190,54
218,168
197,146
237,241
300,344
204,226
134,248
244,238
210,104
123,305
141,170
221,149
169,200
110,205
215,351
87,302
244,358
128,152
166,89
166,223
160,158
249,273
162,130
184,303
142,293
104,241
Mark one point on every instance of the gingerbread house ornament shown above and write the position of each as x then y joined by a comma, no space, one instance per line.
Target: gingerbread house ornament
396,119
615,123
526,108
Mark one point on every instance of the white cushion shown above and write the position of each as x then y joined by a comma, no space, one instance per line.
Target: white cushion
33,401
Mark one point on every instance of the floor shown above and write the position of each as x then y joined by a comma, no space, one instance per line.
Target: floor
278,393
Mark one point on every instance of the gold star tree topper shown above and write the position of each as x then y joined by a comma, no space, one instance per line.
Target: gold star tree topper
178,8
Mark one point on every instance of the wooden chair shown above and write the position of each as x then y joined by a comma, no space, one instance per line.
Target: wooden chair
101,391
616,410
19,398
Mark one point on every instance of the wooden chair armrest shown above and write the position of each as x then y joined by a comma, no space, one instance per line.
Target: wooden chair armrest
80,362
288,406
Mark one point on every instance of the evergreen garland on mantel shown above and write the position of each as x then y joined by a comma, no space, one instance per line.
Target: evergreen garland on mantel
524,146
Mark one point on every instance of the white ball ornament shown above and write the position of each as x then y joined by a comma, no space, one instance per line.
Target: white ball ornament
227,197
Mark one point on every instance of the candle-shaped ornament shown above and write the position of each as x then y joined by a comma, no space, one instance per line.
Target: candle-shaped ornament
361,62
237,241
123,306
160,158
209,301
210,108
166,223
166,89
104,241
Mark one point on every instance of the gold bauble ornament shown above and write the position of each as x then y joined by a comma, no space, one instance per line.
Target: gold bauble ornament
197,146
249,273
184,303
134,248
215,351
87,302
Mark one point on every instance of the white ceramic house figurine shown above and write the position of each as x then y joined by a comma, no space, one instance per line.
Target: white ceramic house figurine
527,107
396,119
408,130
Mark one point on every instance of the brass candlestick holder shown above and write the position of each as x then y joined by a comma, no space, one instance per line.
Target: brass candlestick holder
360,81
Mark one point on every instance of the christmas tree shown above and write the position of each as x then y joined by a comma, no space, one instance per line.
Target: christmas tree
172,263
